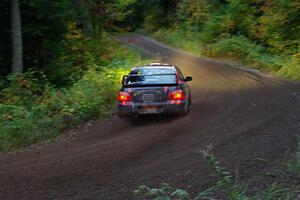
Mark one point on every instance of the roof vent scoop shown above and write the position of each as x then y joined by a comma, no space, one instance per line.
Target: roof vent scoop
159,64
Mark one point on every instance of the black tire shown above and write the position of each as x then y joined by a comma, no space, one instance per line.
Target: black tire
186,109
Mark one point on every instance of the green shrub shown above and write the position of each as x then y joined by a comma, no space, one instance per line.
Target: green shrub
33,109
233,48
238,46
27,116
20,126
241,49
180,39
292,68
24,89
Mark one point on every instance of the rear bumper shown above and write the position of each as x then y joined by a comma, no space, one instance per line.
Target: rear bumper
168,107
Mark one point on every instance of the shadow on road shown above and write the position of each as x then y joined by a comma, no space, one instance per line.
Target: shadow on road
146,120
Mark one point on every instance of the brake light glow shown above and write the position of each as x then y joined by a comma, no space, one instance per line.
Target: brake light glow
124,97
176,95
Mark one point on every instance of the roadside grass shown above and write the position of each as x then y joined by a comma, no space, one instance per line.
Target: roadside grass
34,109
234,48
31,111
226,186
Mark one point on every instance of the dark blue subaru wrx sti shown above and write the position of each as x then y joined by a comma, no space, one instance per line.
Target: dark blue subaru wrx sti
154,89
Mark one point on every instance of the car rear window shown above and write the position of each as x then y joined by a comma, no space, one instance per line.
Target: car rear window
153,70
154,79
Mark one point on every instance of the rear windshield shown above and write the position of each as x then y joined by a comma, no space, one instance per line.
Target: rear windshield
153,70
151,79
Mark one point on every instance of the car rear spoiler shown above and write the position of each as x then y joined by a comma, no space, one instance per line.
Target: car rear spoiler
149,74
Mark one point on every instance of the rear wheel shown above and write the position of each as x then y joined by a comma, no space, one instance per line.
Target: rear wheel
186,109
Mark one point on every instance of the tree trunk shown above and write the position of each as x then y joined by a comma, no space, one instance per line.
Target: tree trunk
17,47
85,22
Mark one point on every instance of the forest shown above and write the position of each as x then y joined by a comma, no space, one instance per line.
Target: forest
61,66
60,63
261,34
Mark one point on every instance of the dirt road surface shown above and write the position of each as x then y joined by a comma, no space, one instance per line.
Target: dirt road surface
251,121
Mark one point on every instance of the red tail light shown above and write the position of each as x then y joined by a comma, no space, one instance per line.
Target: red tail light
124,97
176,95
